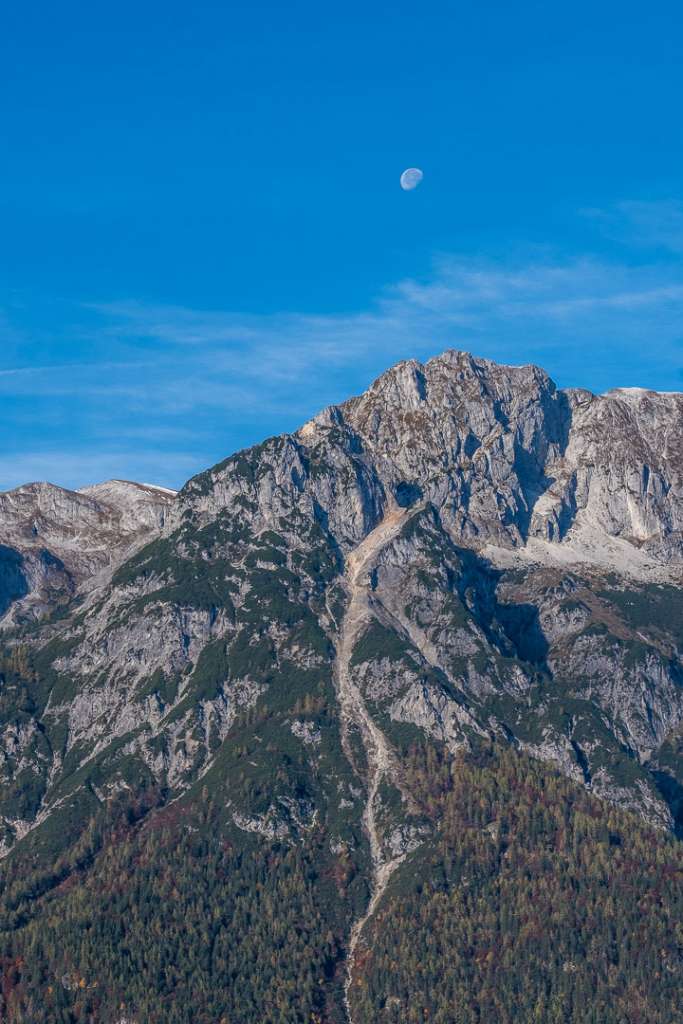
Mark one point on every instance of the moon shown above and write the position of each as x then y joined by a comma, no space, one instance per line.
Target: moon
411,178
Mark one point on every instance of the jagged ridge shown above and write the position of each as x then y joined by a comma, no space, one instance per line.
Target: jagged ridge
527,494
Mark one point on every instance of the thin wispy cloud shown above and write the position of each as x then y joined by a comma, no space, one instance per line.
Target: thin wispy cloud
500,307
184,387
648,223
73,368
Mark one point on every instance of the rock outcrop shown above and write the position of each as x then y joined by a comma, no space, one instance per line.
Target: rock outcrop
54,541
529,590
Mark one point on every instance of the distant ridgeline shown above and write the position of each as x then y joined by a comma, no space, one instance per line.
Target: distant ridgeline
377,721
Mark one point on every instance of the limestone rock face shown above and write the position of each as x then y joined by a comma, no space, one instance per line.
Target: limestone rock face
463,552
52,540
620,474
508,459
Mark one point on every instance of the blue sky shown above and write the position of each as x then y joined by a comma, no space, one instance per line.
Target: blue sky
203,241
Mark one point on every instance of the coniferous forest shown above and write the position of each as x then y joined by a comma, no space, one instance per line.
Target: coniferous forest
532,902
536,904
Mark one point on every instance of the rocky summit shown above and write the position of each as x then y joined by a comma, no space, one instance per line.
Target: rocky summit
463,559
54,542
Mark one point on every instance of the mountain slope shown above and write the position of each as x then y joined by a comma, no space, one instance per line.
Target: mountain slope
529,903
463,555
52,540
504,613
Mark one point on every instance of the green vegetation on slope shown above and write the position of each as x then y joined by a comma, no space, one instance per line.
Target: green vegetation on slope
536,904
531,903
174,923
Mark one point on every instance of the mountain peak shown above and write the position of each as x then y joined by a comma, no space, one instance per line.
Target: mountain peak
57,540
457,470
513,462
295,659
